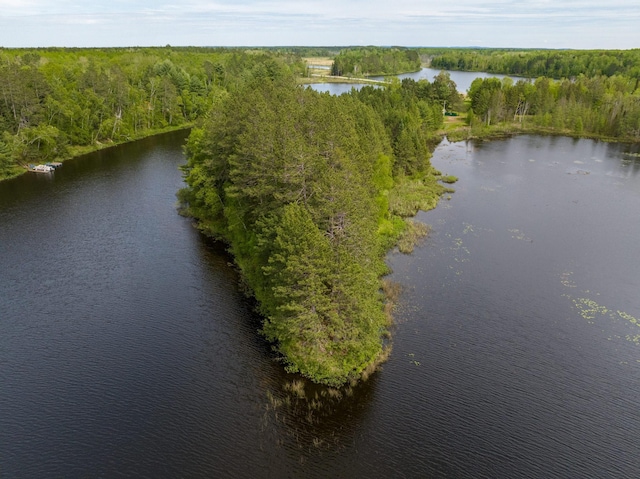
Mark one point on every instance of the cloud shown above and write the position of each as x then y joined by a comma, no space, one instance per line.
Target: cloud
565,23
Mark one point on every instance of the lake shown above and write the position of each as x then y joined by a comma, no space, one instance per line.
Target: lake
462,80
127,348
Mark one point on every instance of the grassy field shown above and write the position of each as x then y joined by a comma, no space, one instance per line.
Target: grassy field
319,61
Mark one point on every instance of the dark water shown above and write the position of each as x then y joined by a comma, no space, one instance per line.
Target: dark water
128,350
523,307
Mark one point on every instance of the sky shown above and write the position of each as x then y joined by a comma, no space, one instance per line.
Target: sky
579,24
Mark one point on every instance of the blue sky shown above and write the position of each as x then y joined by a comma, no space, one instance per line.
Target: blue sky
582,24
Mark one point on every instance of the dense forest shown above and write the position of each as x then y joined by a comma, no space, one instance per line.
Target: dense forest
576,92
375,61
597,106
539,63
55,101
309,190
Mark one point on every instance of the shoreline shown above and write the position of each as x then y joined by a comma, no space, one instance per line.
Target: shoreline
461,132
322,78
78,151
319,78
497,132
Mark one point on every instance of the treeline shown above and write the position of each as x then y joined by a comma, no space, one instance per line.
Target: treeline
306,51
600,105
308,190
537,63
375,61
54,100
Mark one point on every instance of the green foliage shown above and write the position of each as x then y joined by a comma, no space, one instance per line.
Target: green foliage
375,61
537,63
308,302
39,143
597,93
602,106
414,233
411,113
6,162
414,194
449,179
309,189
51,98
295,181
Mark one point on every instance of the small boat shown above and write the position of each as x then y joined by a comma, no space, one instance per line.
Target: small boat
54,164
41,168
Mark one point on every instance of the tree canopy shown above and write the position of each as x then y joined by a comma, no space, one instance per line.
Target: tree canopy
298,184
375,61
53,100
602,106
537,63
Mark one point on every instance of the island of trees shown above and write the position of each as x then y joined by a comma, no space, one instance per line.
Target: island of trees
308,190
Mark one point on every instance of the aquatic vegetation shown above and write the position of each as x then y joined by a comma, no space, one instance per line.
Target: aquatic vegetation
410,195
459,247
412,236
468,228
519,235
566,280
591,310
450,179
296,387
588,308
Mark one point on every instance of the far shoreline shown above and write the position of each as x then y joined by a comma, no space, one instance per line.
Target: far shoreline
78,151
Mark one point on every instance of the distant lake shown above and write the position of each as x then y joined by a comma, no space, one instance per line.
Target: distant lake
463,80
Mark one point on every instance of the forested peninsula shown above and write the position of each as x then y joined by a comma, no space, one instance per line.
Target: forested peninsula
308,190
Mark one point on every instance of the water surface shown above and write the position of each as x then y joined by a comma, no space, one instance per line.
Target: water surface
462,80
522,311
128,350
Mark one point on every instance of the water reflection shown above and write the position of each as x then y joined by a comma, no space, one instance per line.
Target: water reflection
310,419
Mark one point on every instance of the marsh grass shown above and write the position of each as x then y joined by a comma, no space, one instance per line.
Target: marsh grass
412,236
391,290
450,179
411,195
332,393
